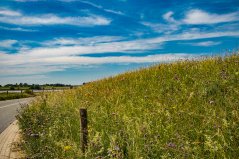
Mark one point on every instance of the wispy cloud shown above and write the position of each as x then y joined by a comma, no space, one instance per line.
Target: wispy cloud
197,16
58,56
169,17
51,19
102,8
7,43
114,12
82,41
206,43
60,63
8,12
76,47
162,28
37,55
192,17
171,26
18,29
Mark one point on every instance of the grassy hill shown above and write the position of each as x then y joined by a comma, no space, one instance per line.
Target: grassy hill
186,109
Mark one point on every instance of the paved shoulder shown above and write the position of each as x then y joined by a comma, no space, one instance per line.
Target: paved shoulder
8,143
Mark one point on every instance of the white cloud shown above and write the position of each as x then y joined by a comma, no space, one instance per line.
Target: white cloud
82,41
206,43
169,17
114,12
193,16
119,59
133,46
26,65
192,35
162,28
169,28
197,16
7,43
99,7
7,12
18,29
57,58
51,19
17,18
110,47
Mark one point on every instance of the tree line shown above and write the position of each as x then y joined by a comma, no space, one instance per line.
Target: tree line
34,86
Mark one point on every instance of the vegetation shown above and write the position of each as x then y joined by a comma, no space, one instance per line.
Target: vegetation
24,86
186,109
8,96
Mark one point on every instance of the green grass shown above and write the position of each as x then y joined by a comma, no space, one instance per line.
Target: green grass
186,109
5,96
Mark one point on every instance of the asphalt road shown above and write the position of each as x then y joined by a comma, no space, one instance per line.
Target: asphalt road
8,111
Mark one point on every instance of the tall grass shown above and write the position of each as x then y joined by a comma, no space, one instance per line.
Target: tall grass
186,109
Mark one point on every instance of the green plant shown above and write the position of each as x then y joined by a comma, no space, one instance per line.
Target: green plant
186,109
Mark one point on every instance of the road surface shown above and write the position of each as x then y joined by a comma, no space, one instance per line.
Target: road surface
8,111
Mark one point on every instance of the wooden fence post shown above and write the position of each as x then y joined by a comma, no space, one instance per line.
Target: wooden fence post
7,92
84,131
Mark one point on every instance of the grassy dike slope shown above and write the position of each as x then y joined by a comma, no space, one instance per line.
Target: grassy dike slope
184,109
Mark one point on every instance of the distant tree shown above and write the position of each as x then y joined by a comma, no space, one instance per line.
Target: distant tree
12,88
8,85
38,87
35,86
32,86
25,85
0,85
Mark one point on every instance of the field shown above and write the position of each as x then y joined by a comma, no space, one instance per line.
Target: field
186,109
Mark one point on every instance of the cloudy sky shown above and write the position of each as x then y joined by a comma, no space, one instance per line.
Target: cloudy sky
75,41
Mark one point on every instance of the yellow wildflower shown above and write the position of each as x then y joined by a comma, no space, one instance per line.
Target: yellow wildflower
67,148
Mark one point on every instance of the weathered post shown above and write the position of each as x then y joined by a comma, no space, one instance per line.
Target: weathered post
7,92
21,91
84,131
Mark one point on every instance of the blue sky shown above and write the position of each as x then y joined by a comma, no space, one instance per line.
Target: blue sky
75,41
